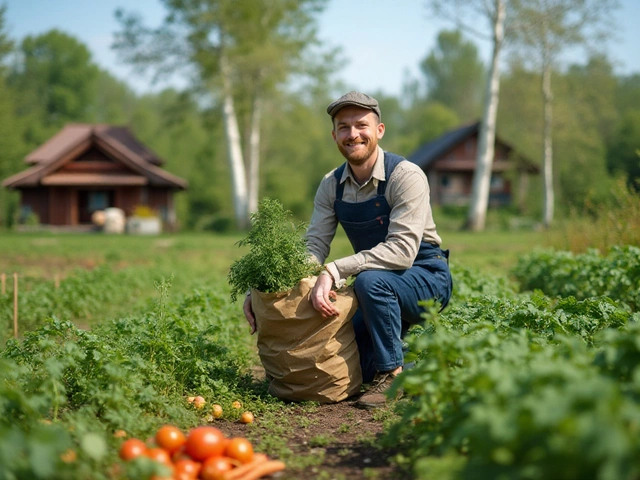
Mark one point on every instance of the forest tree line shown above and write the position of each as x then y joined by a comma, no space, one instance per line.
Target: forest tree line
51,79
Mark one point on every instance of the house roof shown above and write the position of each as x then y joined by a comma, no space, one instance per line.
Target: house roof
75,139
431,151
75,133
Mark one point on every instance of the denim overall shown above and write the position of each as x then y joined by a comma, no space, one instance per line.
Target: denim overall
388,299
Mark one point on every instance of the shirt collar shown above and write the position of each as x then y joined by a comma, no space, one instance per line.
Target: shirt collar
376,174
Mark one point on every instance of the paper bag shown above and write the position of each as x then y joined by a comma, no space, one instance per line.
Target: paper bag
306,356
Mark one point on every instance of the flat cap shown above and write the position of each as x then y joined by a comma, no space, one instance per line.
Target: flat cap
354,98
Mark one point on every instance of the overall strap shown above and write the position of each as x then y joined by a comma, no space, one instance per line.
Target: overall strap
391,160
338,174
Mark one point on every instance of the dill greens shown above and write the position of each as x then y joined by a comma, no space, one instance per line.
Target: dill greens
278,258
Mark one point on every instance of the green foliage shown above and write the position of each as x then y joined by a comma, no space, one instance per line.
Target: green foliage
278,258
512,389
131,373
622,155
615,275
455,75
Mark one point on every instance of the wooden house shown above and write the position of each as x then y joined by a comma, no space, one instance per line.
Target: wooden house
84,168
449,163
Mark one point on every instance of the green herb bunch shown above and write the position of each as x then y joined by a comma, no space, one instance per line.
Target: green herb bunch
278,258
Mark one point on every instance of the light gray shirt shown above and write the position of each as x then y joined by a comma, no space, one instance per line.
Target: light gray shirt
410,221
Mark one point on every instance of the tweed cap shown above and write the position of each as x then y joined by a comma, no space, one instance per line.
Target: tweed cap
354,98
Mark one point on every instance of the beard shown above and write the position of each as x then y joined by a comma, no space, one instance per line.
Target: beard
360,155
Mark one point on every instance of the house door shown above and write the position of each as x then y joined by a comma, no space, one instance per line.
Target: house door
91,200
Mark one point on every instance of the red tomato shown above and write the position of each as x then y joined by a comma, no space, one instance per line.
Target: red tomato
186,469
159,455
214,468
170,438
239,449
204,442
132,448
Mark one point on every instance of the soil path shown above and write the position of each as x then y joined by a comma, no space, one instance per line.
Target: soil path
339,442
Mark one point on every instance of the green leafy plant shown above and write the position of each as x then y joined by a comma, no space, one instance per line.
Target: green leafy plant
278,258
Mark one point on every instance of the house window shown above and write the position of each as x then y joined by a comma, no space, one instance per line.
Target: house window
445,181
497,182
98,201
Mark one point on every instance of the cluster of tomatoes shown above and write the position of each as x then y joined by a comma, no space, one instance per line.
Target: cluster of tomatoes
203,453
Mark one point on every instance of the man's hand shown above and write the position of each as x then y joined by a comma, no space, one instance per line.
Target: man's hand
321,296
248,313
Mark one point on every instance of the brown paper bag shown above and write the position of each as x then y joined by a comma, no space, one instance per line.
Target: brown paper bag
306,356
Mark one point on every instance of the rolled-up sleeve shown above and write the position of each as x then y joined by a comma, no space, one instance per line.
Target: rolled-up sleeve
323,224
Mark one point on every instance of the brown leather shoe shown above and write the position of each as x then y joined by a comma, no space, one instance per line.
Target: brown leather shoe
375,396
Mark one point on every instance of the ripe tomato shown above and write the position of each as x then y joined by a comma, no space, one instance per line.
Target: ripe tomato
204,442
246,417
132,448
186,469
239,449
214,468
170,438
159,455
217,411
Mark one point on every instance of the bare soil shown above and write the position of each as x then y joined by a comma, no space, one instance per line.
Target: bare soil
329,442
342,439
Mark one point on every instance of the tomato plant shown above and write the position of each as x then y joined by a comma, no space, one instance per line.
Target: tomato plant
239,449
132,448
204,442
170,438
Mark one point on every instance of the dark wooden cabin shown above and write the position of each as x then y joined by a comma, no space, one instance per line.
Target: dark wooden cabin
84,168
449,163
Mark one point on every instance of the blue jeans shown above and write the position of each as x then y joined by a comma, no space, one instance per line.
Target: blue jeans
388,306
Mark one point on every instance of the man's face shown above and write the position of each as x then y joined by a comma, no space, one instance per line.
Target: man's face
356,131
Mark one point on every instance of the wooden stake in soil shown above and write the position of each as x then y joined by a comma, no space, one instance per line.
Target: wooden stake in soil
4,282
15,304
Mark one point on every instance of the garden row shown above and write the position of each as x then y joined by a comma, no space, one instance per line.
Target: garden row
506,384
532,386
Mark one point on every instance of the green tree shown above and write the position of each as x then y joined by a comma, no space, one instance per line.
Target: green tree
56,81
455,75
547,27
11,146
495,13
623,153
239,54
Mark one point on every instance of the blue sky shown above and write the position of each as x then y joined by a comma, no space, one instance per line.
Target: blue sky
386,44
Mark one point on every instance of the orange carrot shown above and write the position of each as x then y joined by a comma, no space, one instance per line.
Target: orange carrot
237,472
262,469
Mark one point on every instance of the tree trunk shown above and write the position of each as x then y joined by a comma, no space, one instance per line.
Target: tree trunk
486,136
234,151
547,95
253,181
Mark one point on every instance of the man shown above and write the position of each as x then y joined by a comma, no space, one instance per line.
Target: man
382,202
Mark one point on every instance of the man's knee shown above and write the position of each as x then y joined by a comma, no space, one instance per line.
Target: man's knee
370,282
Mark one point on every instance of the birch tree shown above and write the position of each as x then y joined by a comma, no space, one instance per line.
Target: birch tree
547,28
495,13
235,52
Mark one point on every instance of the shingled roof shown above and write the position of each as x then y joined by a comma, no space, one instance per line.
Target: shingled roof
74,139
431,151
